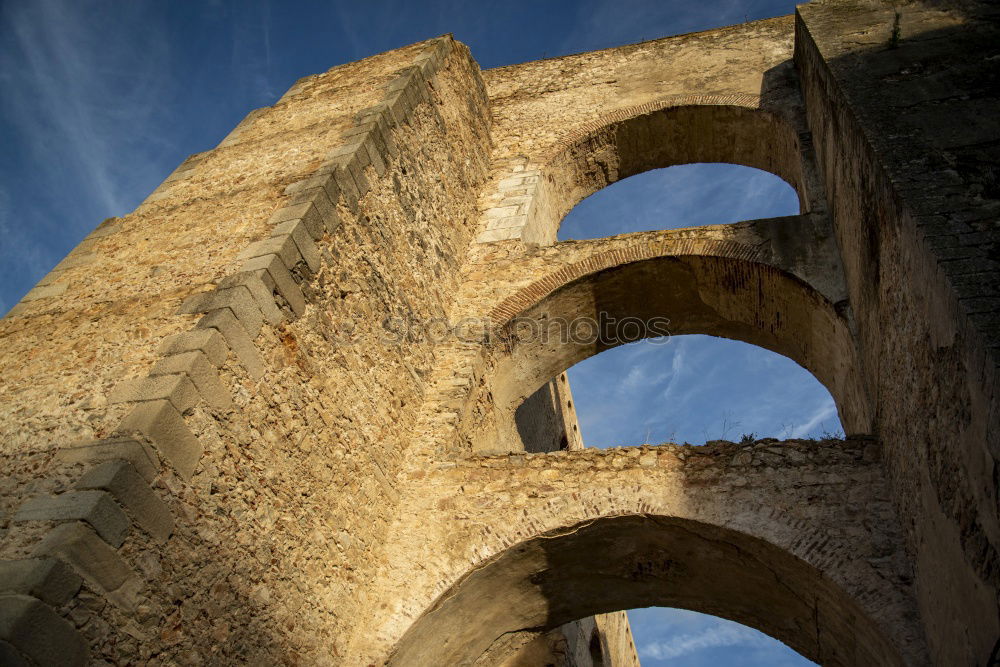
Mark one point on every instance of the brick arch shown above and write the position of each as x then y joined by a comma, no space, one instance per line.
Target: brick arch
620,536
528,296
715,287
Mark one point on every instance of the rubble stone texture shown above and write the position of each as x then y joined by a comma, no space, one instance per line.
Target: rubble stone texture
238,428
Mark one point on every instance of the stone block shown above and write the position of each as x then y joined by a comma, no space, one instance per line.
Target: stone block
500,211
349,152
95,507
354,140
305,211
75,259
504,234
345,183
322,179
202,374
47,579
376,150
163,425
299,233
358,131
45,292
34,634
50,278
282,246
347,164
380,117
17,310
409,80
237,299
327,211
398,107
139,454
108,227
122,481
237,339
261,291
427,64
208,341
100,565
512,182
505,223
284,284
358,174
177,389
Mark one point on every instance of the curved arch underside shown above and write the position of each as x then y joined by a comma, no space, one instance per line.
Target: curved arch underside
715,295
638,561
688,133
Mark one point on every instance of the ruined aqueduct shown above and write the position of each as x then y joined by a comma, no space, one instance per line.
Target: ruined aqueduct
212,453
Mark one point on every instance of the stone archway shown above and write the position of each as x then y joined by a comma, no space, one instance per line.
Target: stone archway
633,561
715,287
796,539
531,199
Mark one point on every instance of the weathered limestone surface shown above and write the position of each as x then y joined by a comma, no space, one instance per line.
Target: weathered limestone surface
291,410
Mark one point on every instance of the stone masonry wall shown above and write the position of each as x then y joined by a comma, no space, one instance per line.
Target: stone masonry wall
902,106
236,426
255,453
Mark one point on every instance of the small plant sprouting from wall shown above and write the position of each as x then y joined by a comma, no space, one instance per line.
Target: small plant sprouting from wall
894,35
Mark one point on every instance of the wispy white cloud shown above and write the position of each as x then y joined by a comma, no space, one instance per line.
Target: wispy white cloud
720,635
77,80
827,411
251,50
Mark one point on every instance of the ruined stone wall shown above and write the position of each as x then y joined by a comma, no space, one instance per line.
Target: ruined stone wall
616,639
902,103
546,420
529,285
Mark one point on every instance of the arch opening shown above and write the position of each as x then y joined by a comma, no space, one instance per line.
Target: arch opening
681,196
631,561
697,388
708,294
678,133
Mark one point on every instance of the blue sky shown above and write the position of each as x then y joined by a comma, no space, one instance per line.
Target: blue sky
101,100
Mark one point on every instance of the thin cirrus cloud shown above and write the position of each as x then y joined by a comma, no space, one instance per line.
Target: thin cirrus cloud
683,638
680,645
70,84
